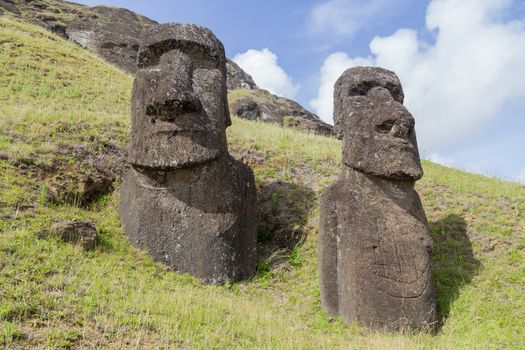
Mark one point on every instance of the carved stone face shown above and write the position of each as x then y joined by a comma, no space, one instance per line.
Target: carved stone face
377,130
179,107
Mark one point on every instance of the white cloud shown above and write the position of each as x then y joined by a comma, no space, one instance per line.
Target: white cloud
332,68
267,74
456,85
346,17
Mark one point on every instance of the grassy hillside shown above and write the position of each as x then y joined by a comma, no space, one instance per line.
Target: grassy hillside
278,110
54,95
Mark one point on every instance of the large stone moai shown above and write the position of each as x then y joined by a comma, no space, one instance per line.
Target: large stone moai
374,243
185,199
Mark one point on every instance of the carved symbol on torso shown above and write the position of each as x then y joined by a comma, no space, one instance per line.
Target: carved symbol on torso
392,251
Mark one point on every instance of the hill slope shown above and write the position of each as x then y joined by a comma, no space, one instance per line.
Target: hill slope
61,106
114,34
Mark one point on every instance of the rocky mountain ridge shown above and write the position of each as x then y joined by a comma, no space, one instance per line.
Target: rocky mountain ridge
259,104
114,34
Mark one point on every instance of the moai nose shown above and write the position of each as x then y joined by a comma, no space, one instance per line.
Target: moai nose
401,130
174,95
404,124
380,93
174,104
178,72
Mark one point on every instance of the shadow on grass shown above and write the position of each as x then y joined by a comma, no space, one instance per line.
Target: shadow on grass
282,216
453,261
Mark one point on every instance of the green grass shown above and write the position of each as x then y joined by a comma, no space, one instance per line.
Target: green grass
54,295
279,106
260,96
54,12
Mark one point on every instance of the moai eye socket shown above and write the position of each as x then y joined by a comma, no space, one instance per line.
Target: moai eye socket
386,126
197,56
361,88
397,128
204,59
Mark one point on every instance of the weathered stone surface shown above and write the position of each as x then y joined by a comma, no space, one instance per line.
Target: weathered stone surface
113,33
186,200
377,130
179,106
374,242
82,233
199,220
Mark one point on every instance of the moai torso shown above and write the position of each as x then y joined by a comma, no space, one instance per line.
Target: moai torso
186,200
374,244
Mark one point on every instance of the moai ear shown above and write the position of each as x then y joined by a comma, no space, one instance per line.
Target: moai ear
227,119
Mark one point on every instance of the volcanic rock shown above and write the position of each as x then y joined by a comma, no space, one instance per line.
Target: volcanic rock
82,233
374,242
185,199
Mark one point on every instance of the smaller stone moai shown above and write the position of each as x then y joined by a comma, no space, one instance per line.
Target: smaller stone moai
185,199
374,242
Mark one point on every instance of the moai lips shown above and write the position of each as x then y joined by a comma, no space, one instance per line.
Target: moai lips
374,242
186,200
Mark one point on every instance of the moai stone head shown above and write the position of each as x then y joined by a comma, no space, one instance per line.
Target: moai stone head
179,104
377,130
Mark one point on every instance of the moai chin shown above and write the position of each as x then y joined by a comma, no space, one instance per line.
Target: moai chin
185,199
374,242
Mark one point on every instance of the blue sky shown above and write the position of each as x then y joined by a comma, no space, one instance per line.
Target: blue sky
461,62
